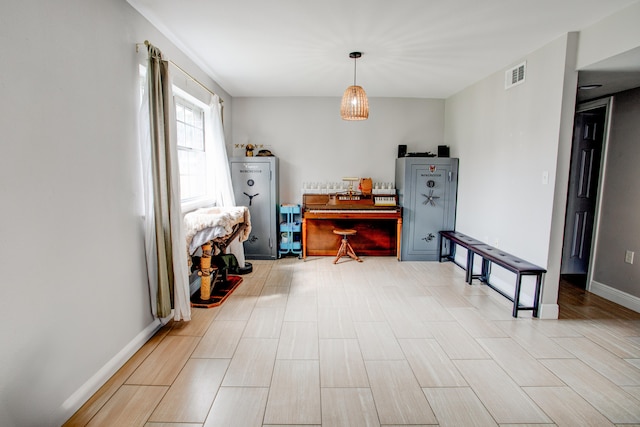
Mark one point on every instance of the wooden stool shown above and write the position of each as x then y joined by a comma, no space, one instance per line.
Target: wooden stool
345,247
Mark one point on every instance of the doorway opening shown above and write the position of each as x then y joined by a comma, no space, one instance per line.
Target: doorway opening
589,134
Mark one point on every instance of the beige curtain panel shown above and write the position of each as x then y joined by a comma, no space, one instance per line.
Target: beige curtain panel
164,215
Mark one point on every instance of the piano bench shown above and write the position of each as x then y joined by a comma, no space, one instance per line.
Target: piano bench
345,247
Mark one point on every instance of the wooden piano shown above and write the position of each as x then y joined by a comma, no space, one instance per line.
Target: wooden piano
376,218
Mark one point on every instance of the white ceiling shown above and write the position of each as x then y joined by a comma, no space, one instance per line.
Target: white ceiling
411,48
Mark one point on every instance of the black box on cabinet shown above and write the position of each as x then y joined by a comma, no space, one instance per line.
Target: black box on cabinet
443,151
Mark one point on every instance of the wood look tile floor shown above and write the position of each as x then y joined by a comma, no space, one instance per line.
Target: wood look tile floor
378,343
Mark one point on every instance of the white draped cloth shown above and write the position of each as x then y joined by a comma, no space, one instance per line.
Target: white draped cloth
215,223
219,164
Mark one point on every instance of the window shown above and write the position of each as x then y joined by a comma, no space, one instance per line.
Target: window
191,150
191,116
191,119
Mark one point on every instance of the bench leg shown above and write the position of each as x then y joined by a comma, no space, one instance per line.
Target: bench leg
469,277
486,270
452,249
536,295
516,298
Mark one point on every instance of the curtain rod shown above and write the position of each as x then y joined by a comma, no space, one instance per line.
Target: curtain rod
146,43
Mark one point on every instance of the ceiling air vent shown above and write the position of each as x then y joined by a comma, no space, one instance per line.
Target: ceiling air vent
514,76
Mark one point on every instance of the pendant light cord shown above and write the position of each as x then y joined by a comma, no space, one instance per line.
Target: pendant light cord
355,61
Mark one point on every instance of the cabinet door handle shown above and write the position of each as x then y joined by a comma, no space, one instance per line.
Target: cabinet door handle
251,197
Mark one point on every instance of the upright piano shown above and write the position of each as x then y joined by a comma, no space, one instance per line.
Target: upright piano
376,218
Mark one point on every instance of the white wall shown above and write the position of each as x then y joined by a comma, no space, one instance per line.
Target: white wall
314,144
609,37
619,227
73,284
507,140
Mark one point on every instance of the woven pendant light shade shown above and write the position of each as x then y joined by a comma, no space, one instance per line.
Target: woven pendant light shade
355,105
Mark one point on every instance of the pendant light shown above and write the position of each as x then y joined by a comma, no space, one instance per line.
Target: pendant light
355,105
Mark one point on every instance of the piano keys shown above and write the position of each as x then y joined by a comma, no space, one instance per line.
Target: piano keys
376,218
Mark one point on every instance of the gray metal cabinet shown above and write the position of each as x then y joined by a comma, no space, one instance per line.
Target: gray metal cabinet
427,190
255,184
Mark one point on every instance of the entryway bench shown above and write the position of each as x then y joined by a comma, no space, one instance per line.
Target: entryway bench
491,254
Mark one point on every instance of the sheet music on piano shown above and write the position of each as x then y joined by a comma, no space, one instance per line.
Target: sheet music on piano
349,211
385,200
348,201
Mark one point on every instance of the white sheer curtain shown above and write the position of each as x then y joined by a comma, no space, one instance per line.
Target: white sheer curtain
165,242
149,224
218,165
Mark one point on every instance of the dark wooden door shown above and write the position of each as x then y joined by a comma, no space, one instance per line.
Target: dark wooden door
586,153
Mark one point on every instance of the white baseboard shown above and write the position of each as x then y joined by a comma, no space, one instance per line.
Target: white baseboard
88,389
615,295
548,311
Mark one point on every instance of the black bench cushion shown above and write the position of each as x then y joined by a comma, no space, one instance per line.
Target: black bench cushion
508,261
460,239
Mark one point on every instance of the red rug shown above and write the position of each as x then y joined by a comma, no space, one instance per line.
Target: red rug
221,290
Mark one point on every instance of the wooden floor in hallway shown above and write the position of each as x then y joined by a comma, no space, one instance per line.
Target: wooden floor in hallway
378,343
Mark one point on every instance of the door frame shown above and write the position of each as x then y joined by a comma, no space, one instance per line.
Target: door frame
607,103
